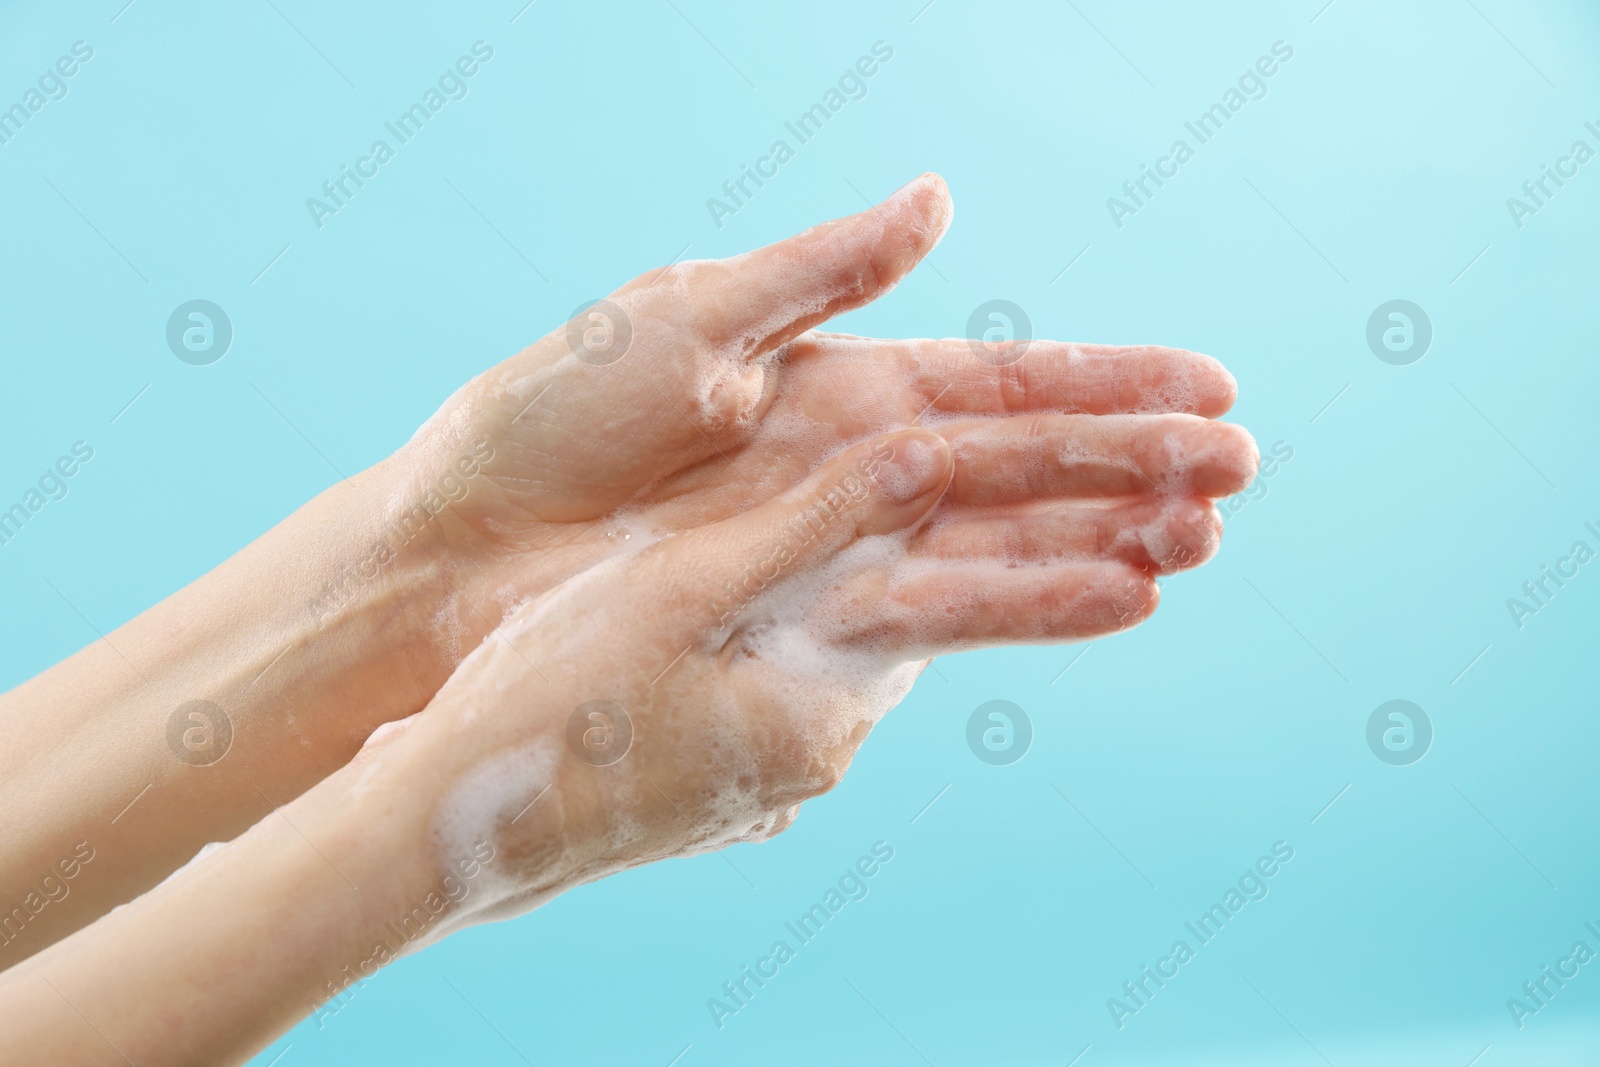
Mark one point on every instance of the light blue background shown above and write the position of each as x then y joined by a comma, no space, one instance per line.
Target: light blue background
1381,557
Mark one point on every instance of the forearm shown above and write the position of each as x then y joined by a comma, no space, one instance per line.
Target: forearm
297,649
308,901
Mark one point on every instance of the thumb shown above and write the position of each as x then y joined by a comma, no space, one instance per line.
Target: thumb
877,487
752,303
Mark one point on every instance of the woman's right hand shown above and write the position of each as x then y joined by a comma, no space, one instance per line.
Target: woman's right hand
701,390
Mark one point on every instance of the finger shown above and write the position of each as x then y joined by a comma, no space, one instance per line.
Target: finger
951,608
1002,461
1051,376
877,487
758,300
767,829
1161,536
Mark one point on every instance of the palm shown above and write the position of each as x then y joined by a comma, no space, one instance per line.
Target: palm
721,716
725,397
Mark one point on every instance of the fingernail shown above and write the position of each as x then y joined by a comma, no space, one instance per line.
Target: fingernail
944,210
927,178
918,180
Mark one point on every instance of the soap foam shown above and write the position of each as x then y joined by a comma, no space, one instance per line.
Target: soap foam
828,648
824,643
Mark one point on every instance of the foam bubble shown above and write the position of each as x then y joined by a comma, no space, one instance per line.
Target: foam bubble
824,642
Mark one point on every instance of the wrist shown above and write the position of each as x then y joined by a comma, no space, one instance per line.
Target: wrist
230,694
477,796
420,553
287,918
343,634
405,894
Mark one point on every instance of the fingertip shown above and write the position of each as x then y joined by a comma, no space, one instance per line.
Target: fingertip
1222,457
915,462
906,226
1245,446
1220,391
1134,598
931,196
1193,535
760,300
910,470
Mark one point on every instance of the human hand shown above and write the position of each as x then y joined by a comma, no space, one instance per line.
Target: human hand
706,392
649,555
691,692
536,470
